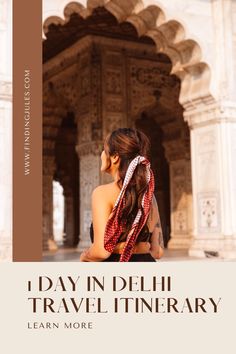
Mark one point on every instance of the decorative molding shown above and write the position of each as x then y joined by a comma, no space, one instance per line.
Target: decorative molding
155,77
204,115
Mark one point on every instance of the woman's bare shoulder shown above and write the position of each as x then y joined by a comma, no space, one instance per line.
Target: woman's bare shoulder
108,190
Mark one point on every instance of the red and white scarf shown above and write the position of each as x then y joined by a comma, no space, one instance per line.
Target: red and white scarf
113,228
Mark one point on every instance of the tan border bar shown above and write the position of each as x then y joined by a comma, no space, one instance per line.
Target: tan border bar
27,130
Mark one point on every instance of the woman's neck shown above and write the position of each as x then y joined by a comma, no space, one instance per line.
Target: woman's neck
115,176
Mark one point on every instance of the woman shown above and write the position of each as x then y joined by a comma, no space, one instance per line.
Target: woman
126,225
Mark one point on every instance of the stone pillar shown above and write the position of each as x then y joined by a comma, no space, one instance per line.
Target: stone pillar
5,172
5,132
181,204
53,112
69,216
101,109
177,153
90,178
48,172
90,133
213,151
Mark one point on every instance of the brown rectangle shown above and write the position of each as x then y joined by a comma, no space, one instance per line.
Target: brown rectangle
27,130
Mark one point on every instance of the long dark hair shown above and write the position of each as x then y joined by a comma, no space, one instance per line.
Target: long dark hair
129,143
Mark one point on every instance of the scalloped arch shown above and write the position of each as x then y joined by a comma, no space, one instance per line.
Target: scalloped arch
169,37
52,20
75,7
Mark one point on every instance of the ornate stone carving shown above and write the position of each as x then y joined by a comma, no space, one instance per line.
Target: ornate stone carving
67,89
180,221
150,82
181,204
114,105
89,117
113,82
96,84
209,212
155,77
145,85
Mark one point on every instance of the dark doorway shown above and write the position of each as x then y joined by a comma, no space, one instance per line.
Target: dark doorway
67,173
160,168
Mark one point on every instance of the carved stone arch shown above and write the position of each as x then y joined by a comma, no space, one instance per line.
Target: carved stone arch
148,18
52,20
71,8
169,36
75,7
150,25
173,31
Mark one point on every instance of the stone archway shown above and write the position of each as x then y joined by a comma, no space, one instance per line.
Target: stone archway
67,173
169,37
147,123
170,157
200,108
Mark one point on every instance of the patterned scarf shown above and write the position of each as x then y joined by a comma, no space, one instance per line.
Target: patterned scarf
114,228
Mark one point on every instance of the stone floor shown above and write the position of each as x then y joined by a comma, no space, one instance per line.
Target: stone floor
72,255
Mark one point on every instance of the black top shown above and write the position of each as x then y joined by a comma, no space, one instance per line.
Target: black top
144,235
